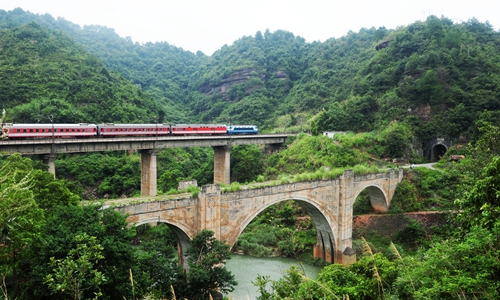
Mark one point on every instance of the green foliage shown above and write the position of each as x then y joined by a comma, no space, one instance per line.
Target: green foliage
410,234
35,87
233,187
454,268
482,202
114,173
405,198
369,278
433,189
64,224
157,264
207,273
76,272
308,154
283,228
437,75
177,164
396,139
362,204
246,163
21,221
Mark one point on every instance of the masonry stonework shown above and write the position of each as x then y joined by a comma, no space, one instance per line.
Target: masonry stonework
328,202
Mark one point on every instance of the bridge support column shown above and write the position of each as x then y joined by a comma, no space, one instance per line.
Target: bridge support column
50,160
209,206
148,172
222,164
343,254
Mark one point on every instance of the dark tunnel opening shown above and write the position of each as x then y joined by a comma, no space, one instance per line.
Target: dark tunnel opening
437,152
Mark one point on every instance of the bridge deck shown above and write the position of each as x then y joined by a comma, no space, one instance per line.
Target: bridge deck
47,146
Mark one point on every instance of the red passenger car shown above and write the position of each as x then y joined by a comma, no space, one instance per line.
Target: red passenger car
38,131
131,130
199,129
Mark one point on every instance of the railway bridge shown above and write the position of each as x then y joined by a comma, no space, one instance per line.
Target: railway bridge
328,202
147,146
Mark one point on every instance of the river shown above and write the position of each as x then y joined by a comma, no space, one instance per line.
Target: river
246,268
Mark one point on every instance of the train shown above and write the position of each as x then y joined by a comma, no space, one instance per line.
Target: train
108,130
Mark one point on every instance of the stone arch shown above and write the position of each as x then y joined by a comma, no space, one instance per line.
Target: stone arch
326,239
378,197
183,239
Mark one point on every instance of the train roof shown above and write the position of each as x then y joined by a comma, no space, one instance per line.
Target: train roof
131,125
201,125
40,125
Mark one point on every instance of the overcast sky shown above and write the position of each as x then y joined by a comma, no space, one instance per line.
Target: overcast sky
207,25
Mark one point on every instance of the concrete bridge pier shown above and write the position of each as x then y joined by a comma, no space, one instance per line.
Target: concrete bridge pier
222,164
50,160
148,172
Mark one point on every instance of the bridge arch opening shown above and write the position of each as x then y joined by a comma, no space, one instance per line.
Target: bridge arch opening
180,241
370,200
438,151
321,228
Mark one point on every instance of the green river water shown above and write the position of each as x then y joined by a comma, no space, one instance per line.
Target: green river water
246,268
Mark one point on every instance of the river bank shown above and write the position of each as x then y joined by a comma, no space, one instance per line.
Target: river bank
247,268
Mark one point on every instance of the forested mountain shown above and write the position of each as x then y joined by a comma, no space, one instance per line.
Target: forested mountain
46,73
435,77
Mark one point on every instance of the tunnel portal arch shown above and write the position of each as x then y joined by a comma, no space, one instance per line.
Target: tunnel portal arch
436,148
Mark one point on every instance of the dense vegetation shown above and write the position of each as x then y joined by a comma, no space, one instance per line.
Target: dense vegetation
54,248
436,77
459,261
390,90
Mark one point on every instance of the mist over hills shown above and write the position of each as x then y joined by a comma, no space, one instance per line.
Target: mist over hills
436,77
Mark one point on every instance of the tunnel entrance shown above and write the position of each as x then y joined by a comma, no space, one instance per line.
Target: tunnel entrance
437,152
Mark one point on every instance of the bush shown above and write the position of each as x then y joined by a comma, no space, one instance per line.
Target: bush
411,234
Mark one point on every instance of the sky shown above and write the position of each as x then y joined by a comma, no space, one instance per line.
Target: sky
207,25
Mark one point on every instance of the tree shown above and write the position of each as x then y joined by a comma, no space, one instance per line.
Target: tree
246,163
207,273
158,267
64,224
77,271
455,268
334,119
21,220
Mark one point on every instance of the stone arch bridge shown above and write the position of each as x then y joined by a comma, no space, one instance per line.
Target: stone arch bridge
328,202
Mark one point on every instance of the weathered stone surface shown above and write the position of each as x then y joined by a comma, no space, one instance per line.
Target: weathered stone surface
328,202
238,77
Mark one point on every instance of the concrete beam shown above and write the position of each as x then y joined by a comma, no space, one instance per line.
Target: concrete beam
46,146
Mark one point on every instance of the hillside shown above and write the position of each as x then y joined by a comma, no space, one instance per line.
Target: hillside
437,78
45,73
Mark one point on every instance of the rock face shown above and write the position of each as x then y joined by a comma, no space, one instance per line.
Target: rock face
237,77
382,45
